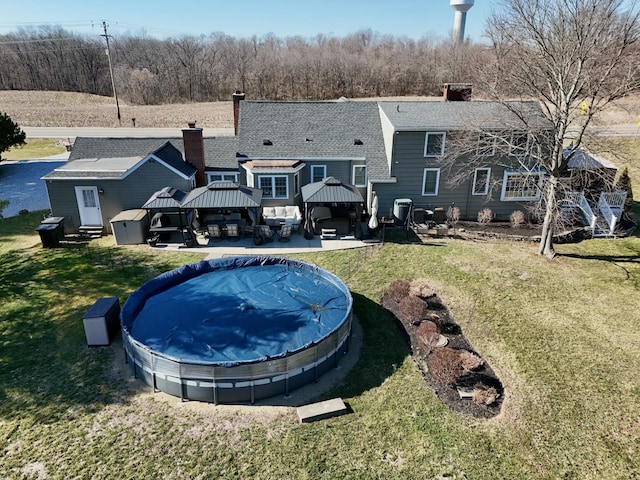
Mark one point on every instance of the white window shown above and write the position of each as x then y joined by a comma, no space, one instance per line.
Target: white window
318,173
216,177
360,175
434,144
275,186
430,181
486,145
481,181
519,144
521,186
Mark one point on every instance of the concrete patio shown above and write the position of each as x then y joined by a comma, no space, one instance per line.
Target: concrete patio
245,246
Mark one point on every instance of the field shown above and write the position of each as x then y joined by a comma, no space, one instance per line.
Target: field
562,335
69,109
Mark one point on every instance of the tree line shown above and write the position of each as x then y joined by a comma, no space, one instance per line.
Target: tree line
207,68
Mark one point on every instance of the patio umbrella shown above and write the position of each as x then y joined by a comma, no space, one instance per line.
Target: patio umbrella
373,221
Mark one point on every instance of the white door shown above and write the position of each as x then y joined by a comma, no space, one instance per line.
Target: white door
89,206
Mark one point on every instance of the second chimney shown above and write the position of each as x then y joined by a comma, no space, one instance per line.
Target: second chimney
237,97
194,151
457,92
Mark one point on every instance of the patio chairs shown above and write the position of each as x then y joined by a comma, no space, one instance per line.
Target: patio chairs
264,232
284,235
214,232
233,232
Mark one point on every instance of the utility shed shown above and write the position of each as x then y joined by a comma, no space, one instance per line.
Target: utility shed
130,227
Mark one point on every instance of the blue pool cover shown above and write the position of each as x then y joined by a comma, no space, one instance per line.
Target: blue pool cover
236,310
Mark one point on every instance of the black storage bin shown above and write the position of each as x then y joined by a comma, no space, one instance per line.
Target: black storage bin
101,322
51,231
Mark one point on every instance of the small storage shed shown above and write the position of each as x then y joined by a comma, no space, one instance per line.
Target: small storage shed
130,227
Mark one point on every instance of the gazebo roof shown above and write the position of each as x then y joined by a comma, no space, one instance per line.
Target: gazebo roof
168,197
223,194
330,190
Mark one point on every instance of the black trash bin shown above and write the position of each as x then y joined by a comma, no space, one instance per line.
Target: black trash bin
51,232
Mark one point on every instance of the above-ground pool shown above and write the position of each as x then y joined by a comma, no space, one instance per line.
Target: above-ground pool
237,329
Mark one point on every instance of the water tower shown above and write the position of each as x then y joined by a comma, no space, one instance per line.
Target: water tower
461,7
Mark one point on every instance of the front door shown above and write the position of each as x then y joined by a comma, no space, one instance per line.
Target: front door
89,206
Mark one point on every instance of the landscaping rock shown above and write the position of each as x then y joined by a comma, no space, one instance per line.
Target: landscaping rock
479,383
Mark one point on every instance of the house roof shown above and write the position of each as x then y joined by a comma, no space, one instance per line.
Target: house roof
272,164
313,131
447,116
116,164
107,168
330,190
219,152
582,160
223,194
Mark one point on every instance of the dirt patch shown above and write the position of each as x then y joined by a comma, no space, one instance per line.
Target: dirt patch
469,381
522,233
529,232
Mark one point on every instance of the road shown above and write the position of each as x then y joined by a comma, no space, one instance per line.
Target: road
73,132
626,130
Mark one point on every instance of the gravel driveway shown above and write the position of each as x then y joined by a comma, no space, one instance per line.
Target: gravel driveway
21,184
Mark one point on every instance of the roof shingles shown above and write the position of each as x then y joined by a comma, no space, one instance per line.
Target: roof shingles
313,130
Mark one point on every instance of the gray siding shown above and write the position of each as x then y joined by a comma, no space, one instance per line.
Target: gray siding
408,164
132,192
335,168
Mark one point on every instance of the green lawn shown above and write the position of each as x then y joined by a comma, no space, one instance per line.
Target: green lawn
34,148
562,335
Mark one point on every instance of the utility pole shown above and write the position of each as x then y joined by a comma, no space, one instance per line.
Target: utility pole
113,83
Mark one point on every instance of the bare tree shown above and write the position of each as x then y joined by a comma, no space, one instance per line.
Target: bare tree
575,57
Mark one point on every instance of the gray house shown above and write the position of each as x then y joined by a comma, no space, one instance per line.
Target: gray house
397,150
428,143
283,146
107,175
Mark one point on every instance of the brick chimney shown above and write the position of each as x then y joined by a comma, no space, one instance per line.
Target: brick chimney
457,92
237,97
194,151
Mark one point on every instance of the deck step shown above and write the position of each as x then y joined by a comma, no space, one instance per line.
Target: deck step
329,233
321,410
90,230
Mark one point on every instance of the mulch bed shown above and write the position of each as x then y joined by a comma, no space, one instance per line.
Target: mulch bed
456,340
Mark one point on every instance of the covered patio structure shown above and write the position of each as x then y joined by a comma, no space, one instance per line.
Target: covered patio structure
224,204
332,208
168,217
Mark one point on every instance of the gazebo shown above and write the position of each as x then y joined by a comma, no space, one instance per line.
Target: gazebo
331,204
224,201
169,216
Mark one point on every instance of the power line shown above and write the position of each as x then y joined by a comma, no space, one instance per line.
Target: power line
45,50
50,39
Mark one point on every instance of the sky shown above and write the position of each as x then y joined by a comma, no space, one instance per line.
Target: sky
284,18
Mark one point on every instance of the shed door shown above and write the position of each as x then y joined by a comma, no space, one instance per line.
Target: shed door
89,206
